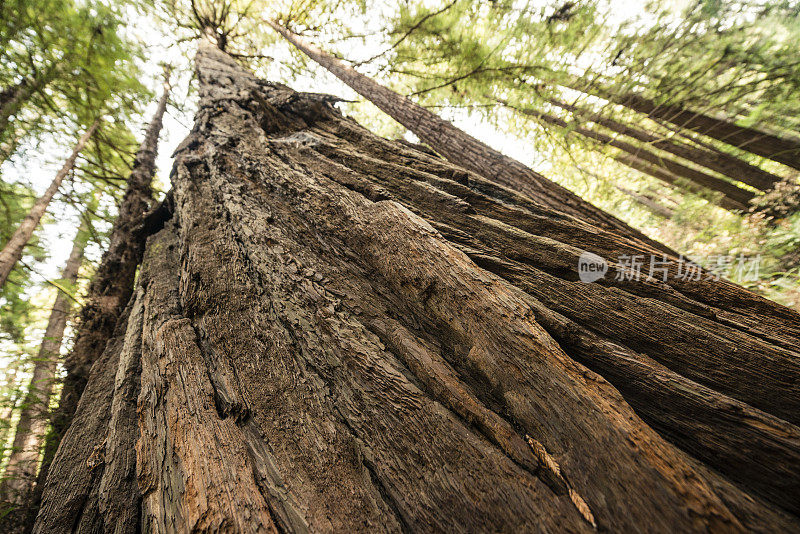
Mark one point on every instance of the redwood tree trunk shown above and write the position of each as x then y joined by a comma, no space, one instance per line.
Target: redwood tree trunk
464,150
112,284
340,333
12,250
725,164
20,472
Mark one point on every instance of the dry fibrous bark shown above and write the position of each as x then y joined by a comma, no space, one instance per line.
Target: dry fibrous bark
464,150
20,472
12,250
340,333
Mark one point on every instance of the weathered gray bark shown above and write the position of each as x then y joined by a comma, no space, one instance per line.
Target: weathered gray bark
12,250
20,473
112,284
339,333
464,150
725,164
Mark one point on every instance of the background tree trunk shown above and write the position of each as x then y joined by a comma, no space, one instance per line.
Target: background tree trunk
12,250
734,197
723,163
20,472
340,333
786,151
111,286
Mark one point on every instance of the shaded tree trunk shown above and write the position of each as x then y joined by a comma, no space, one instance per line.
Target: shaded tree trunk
725,164
463,149
112,284
332,334
20,473
12,250
732,197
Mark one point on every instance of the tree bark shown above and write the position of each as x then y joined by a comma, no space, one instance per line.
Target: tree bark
463,149
786,151
12,251
20,472
340,333
733,197
725,164
112,284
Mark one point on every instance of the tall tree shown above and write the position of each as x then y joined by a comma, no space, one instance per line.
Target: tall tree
718,161
731,196
112,283
463,149
12,250
20,472
335,332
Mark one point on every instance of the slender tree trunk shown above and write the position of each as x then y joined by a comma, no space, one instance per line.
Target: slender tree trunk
336,333
12,251
725,164
732,197
111,286
463,149
20,473
782,150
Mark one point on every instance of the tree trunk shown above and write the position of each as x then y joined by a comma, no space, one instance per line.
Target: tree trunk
786,151
20,473
733,197
12,251
112,284
725,164
463,149
340,333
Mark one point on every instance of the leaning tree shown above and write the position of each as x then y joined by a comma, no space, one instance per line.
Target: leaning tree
334,332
